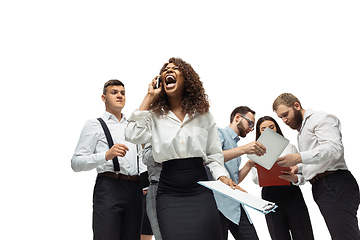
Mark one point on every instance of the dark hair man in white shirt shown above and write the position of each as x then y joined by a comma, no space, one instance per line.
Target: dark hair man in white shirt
321,153
117,203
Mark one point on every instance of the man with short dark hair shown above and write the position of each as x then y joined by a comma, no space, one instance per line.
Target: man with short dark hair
321,153
233,215
117,203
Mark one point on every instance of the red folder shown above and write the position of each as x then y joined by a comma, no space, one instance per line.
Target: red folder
271,177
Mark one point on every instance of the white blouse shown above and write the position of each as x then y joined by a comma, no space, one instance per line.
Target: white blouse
173,139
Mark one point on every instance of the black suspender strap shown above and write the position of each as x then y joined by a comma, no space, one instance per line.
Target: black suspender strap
110,143
137,159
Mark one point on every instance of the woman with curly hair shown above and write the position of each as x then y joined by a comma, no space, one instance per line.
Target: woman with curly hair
175,119
194,98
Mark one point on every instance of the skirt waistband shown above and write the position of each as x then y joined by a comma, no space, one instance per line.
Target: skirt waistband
182,164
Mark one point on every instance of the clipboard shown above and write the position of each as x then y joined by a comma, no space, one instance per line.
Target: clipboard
274,144
242,197
271,177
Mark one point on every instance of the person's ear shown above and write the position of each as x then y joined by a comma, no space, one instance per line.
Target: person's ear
297,106
237,117
103,98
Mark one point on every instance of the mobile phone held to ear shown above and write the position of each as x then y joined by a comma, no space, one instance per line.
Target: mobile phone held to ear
158,80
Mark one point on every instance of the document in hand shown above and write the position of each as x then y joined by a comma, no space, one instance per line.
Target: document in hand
274,144
240,196
271,177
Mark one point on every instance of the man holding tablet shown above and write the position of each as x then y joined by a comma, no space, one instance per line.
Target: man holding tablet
321,153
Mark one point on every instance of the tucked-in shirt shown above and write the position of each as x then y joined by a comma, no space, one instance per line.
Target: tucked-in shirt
320,145
227,206
171,138
92,147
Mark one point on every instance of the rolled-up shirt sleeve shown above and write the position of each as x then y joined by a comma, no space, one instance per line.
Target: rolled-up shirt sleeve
301,180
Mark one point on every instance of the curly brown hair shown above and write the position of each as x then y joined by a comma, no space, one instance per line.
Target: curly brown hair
195,99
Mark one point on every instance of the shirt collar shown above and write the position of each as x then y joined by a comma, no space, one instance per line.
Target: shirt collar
307,115
107,116
175,118
232,134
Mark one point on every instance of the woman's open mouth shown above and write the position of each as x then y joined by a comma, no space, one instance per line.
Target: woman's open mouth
170,81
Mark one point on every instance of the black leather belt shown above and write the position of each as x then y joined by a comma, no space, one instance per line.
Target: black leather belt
320,175
121,176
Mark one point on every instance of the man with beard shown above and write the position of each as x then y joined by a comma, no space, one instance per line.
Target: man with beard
321,153
232,214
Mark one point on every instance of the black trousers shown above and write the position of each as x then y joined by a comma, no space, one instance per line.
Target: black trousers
185,209
117,209
244,231
292,214
338,198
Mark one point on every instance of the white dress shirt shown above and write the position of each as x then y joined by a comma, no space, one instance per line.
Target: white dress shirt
173,139
320,145
92,146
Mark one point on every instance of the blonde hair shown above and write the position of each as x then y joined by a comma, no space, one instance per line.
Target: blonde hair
286,99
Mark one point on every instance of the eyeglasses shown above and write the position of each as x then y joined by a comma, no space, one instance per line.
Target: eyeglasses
251,123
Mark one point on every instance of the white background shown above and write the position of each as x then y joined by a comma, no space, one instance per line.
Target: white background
55,57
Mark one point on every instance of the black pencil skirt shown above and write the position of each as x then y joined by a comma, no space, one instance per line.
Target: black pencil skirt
185,209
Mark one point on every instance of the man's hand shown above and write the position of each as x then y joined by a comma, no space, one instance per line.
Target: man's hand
250,164
254,148
230,182
289,176
289,160
118,150
294,169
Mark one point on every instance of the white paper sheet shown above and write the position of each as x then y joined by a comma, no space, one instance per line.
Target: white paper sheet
240,196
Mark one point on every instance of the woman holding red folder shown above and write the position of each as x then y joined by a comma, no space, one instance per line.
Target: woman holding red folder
292,214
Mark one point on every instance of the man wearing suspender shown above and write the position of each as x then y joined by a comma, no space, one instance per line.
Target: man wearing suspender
117,204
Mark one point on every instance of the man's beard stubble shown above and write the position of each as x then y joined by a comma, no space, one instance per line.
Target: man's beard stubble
298,118
241,130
